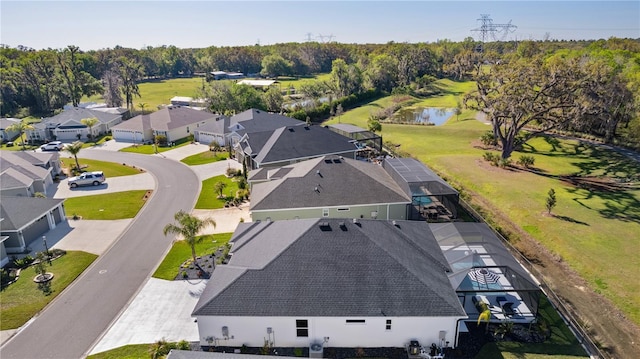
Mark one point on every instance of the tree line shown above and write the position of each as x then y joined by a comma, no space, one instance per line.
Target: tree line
513,78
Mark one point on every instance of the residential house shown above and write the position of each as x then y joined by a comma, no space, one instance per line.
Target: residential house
327,186
217,131
25,173
5,134
230,131
174,122
68,126
291,144
26,219
314,282
341,187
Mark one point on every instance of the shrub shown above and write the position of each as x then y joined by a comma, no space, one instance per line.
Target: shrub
526,161
23,262
161,140
488,139
489,156
232,172
503,162
297,352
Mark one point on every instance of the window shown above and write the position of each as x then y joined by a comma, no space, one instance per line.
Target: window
325,212
388,327
302,327
355,321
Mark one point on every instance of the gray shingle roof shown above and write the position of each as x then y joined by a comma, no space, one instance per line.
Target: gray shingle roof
259,121
19,211
173,117
138,123
219,125
339,182
12,160
296,268
301,142
78,113
10,178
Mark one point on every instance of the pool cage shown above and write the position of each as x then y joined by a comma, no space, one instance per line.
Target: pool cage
432,198
483,269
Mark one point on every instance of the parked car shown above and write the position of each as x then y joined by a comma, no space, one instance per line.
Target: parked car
52,146
87,179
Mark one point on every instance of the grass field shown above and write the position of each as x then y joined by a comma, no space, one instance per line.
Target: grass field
208,197
180,252
204,158
110,169
110,206
589,229
22,300
133,351
155,93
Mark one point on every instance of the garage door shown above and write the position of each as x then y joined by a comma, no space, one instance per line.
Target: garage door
126,136
206,138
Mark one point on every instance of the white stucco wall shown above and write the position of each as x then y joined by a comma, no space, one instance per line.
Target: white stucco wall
252,331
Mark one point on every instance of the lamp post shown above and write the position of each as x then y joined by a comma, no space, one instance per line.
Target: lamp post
46,250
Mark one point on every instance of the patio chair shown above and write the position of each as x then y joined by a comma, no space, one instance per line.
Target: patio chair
508,309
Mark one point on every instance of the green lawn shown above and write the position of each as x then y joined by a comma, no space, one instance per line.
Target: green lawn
133,351
286,83
155,93
151,149
204,158
110,169
180,252
22,300
110,206
208,197
590,229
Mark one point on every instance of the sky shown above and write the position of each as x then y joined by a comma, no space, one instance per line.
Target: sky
93,25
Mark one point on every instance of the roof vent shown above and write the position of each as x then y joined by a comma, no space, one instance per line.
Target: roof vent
317,189
395,224
324,226
291,129
318,173
355,220
306,128
336,160
343,226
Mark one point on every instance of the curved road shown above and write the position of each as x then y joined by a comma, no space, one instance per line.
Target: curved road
73,323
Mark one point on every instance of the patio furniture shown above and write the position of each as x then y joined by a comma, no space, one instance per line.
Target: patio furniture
508,309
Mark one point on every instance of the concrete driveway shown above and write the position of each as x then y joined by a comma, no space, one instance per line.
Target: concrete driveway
142,181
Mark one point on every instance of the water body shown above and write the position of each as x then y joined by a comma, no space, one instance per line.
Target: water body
425,115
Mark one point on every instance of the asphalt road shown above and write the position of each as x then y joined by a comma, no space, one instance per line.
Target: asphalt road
74,322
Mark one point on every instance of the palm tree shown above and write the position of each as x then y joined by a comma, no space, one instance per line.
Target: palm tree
20,127
219,187
142,105
74,149
90,122
188,227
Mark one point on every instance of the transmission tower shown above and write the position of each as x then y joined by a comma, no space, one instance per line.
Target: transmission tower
309,36
497,32
327,37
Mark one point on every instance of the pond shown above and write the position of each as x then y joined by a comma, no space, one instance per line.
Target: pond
425,115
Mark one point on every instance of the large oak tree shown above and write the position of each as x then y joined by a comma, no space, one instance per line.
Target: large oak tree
517,94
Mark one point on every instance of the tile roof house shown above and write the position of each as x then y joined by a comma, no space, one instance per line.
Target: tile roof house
364,283
174,122
327,186
67,125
